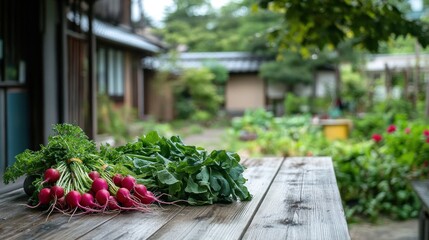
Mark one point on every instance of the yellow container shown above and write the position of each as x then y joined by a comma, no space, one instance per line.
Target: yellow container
335,129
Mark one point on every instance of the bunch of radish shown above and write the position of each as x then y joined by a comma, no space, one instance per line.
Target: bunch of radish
71,186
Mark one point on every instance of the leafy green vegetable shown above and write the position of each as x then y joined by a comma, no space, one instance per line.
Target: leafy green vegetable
69,141
166,165
183,172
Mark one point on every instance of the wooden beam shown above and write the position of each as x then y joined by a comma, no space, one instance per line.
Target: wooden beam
91,69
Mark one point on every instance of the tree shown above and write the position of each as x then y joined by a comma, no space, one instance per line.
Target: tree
319,24
235,27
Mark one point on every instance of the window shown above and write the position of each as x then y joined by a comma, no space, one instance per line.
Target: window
12,37
101,70
110,72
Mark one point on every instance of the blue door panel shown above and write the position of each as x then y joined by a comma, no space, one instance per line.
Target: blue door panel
17,125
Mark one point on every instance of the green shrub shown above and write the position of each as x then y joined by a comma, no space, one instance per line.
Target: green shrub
373,176
294,104
195,91
113,120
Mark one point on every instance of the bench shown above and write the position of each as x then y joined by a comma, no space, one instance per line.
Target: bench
293,198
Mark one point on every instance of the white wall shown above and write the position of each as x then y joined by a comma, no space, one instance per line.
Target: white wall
325,84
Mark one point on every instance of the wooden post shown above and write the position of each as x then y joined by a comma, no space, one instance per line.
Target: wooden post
91,72
63,63
388,81
337,82
417,74
427,102
406,83
313,92
370,87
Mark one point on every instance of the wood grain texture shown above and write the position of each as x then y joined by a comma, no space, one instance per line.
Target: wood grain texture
61,226
302,203
134,225
13,196
224,221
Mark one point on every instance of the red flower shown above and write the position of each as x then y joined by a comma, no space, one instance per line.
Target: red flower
391,128
376,137
426,133
408,130
427,140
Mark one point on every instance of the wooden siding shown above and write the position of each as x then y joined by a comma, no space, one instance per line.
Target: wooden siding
78,83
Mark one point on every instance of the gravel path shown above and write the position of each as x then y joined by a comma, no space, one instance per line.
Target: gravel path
386,230
209,139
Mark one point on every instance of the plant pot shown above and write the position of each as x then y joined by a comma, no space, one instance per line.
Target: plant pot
336,129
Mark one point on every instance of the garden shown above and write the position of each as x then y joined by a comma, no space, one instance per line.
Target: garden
387,146
373,167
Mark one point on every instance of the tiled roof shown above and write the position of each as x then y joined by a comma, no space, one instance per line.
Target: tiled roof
116,34
234,62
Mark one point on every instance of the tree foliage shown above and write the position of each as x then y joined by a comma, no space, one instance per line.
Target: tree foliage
317,24
290,70
234,27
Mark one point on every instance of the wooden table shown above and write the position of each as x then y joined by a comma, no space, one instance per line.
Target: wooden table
294,198
422,190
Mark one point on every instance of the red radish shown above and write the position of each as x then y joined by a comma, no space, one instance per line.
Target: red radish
113,204
117,179
140,190
148,198
51,175
73,199
87,200
98,184
93,175
129,204
128,182
102,197
123,195
61,203
57,192
44,196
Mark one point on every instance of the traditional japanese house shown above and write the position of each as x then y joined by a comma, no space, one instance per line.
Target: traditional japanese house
55,57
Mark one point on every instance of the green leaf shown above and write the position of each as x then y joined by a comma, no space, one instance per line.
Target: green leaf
166,177
225,188
192,187
152,137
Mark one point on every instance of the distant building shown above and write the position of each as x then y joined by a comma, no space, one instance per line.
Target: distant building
245,89
386,66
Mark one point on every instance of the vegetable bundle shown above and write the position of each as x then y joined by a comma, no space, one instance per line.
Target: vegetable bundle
69,173
182,172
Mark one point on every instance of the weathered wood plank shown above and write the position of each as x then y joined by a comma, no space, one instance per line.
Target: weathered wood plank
302,203
20,222
224,221
59,226
422,190
133,225
13,196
